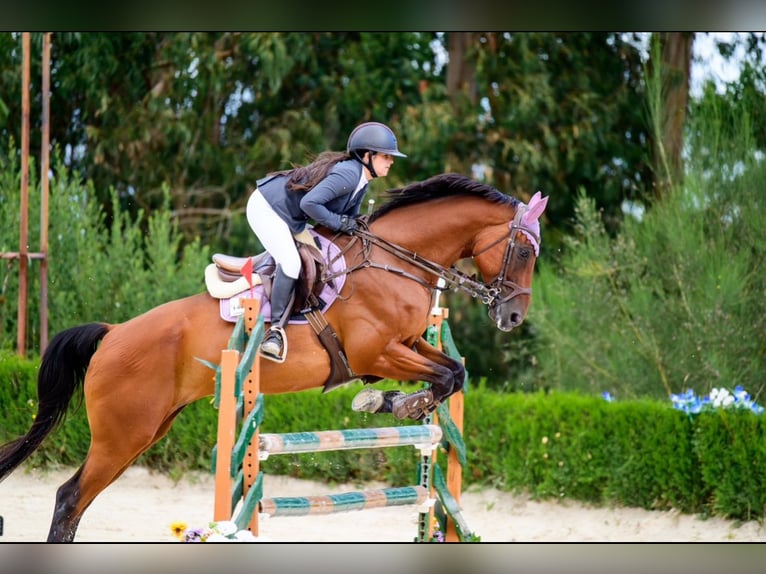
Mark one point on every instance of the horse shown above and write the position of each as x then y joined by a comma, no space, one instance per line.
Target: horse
138,375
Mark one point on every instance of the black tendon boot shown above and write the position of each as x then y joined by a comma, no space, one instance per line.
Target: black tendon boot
274,345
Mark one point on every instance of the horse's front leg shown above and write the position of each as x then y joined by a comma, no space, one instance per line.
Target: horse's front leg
433,354
423,362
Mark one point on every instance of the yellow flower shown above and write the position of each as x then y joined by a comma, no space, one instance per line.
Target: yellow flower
178,528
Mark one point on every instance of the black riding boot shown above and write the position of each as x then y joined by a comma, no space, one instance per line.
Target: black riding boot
274,345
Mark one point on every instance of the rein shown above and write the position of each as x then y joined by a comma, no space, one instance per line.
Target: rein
453,277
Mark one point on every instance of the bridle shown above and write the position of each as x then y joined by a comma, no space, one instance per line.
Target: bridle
496,287
453,278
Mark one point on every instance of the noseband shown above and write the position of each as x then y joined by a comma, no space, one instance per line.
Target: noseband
453,277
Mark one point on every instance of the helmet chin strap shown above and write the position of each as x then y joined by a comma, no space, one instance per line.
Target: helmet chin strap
368,165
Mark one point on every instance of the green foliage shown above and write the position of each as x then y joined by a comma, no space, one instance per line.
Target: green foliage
163,129
657,469
18,408
100,268
640,453
205,114
17,393
188,121
722,107
731,446
565,112
674,300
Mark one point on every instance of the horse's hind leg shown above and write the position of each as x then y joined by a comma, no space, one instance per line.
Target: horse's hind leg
109,456
74,496
65,521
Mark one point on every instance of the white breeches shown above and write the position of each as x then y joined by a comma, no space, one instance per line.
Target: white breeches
274,234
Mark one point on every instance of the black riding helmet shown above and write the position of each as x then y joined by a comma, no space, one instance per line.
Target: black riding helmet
373,137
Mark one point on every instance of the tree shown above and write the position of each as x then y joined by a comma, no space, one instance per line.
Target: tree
203,115
206,114
555,112
461,72
675,53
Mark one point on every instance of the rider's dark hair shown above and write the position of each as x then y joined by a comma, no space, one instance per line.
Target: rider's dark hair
304,178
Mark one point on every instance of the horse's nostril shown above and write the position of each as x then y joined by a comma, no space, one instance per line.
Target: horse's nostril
516,319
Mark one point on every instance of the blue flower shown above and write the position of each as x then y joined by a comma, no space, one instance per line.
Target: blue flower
717,399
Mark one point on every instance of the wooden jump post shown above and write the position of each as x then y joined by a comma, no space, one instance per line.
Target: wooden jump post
449,415
240,412
241,446
24,255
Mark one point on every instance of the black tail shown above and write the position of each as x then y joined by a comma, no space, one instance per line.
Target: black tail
62,371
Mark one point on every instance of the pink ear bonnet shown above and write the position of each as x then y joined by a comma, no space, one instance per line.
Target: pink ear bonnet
531,220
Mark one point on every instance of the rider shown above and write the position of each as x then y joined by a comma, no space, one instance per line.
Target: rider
329,191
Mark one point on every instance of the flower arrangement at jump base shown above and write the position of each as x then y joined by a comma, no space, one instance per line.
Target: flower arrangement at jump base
221,531
438,535
717,399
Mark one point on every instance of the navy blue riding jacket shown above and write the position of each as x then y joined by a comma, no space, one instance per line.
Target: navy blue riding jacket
325,203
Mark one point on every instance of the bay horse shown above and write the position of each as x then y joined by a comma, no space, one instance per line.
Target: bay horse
138,375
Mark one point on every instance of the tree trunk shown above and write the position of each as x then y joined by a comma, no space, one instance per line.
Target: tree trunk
676,54
461,70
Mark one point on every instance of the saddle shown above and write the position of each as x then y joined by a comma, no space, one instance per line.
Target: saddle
307,289
306,302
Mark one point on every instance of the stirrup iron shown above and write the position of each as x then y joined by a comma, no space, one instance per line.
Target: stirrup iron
276,357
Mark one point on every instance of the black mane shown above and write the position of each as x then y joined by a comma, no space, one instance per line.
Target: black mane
446,184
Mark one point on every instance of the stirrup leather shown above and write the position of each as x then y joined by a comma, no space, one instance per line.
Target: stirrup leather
278,357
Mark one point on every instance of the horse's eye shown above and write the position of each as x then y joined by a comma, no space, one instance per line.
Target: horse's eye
524,253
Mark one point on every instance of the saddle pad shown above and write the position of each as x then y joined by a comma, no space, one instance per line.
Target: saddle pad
231,309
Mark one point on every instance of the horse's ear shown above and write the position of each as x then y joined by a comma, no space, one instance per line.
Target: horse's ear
535,208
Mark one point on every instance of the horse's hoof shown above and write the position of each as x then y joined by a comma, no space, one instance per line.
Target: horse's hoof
415,406
375,401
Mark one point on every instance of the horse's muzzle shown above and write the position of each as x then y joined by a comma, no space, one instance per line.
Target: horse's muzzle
506,317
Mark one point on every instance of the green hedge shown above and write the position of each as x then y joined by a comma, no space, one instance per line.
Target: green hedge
638,453
571,446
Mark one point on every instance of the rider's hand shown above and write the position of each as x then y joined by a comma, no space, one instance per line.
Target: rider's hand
348,224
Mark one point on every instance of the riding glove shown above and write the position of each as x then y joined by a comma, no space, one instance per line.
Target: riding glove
348,224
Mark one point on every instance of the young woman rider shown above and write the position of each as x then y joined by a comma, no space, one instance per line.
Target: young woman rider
328,191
